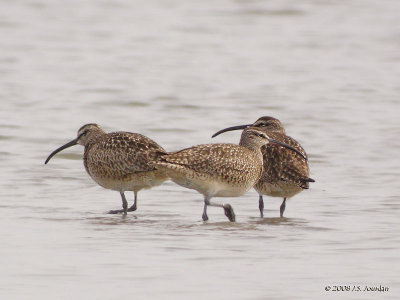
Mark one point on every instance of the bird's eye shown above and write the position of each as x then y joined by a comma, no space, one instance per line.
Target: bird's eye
84,133
260,134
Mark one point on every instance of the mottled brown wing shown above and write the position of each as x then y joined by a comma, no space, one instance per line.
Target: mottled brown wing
124,151
214,159
282,164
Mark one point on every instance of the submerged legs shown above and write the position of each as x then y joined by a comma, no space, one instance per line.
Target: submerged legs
206,202
261,206
228,209
124,205
283,206
134,206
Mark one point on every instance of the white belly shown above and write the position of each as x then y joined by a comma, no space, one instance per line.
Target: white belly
212,188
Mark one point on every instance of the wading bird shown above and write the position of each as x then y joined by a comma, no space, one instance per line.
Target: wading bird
120,161
286,172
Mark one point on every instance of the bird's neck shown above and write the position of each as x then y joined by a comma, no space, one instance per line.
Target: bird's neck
255,151
250,144
94,137
253,146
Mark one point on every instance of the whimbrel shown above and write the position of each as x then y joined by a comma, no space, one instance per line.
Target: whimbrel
119,161
286,173
219,170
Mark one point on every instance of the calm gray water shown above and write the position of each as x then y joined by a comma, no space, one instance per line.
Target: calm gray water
177,71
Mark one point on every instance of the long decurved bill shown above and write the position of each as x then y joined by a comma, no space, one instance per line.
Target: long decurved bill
67,145
271,140
231,128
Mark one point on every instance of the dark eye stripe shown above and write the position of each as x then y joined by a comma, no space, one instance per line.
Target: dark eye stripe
83,133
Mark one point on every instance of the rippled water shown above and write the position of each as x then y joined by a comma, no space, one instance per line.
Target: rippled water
177,71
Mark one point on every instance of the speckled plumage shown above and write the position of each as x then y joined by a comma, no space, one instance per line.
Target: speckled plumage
124,159
120,161
226,164
218,170
285,173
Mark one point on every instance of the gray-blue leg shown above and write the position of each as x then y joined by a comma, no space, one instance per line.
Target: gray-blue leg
134,206
261,206
283,206
206,203
227,209
124,206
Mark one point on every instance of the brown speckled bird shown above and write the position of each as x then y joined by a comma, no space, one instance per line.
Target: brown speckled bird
286,172
219,170
119,161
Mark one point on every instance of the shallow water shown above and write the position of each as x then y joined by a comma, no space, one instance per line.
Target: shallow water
178,71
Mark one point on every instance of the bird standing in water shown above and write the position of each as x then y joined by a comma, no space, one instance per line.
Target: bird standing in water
219,170
286,172
120,161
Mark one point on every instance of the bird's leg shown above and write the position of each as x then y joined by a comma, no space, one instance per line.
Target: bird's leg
134,206
206,202
261,206
228,209
124,206
229,212
283,206
124,203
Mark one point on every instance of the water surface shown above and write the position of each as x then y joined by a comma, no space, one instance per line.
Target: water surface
178,71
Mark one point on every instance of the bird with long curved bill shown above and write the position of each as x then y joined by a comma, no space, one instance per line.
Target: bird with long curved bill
120,161
219,170
286,172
